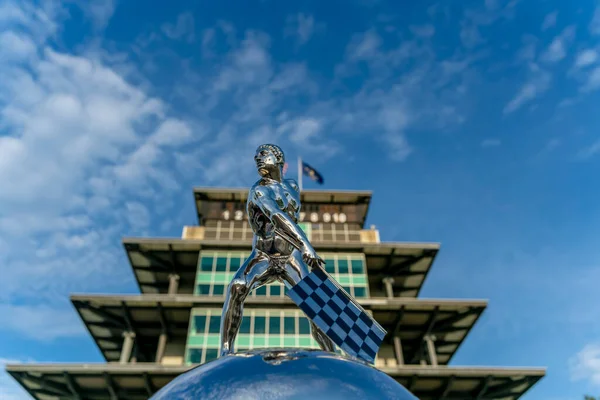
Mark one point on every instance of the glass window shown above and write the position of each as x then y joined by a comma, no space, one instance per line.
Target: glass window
221,264
347,289
261,291
274,325
260,325
357,267
276,290
245,327
330,265
234,264
218,290
343,265
195,356
204,289
289,325
206,264
304,326
211,354
285,290
199,323
215,324
360,292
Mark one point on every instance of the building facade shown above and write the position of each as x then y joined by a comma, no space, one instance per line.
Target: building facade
173,325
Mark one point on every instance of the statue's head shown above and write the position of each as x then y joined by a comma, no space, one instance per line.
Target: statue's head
269,158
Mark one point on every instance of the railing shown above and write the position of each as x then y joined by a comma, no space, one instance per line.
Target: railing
241,231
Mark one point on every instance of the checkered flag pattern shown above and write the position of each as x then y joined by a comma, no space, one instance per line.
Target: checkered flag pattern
338,315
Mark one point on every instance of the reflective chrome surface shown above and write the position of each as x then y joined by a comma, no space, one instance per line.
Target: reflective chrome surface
280,251
284,374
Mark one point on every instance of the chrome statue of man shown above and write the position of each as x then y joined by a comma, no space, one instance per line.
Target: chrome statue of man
280,250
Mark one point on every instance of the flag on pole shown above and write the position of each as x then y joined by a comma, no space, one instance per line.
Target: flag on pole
312,173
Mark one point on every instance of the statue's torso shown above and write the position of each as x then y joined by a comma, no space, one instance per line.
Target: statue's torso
287,199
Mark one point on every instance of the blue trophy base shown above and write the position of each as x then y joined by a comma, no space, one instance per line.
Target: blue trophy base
284,374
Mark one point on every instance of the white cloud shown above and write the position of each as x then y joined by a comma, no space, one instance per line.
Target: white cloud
586,364
537,84
590,150
594,26
593,80
364,46
482,16
586,57
41,322
303,27
77,138
182,29
490,143
100,11
557,50
16,46
549,20
426,31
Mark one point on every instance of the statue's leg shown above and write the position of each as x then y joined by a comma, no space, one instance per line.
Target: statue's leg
253,273
296,270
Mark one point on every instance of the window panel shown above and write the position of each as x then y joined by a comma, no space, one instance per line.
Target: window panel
199,323
245,327
203,289
276,290
218,290
274,325
347,289
211,354
360,291
261,291
195,355
304,326
327,236
206,264
343,265
330,265
234,264
215,324
221,264
289,325
354,236
357,267
260,325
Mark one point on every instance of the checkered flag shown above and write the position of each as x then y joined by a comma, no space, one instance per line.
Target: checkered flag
338,315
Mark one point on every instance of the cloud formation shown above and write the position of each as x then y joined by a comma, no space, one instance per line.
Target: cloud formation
586,364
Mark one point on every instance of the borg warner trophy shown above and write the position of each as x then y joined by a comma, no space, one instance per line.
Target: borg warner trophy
282,252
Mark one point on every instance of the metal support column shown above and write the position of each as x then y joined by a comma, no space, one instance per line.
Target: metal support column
429,339
173,283
128,338
160,350
389,290
398,350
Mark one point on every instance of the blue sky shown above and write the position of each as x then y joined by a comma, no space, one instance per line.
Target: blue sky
474,123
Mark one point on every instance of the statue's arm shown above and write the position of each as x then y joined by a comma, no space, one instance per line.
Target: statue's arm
293,184
264,199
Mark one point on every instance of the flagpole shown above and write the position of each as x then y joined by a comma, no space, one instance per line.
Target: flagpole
299,173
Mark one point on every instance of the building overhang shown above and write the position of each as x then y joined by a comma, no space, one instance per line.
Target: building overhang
153,260
206,195
108,317
140,381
